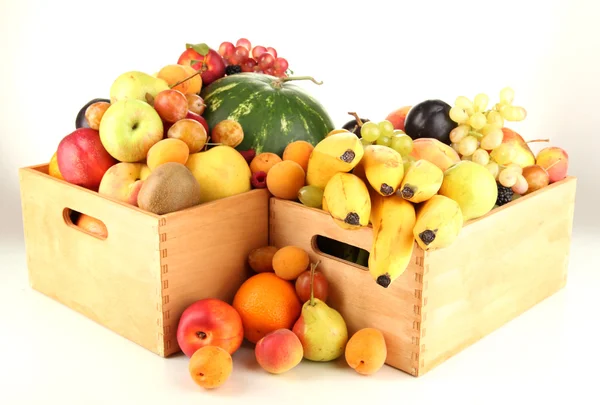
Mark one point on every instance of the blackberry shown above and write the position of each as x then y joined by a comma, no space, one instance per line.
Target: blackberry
233,69
505,195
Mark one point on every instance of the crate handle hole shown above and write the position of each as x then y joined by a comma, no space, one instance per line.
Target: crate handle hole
342,252
85,223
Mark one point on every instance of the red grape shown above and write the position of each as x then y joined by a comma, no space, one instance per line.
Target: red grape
272,51
242,54
280,64
257,51
248,65
279,73
269,71
266,60
245,43
226,49
320,286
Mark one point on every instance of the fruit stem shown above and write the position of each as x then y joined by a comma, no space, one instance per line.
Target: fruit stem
358,120
538,140
476,134
313,267
186,79
550,167
289,78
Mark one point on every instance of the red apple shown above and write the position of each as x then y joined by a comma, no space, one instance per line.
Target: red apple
209,322
198,118
207,60
397,117
82,159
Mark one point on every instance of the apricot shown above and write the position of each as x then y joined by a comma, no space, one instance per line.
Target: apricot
299,152
92,225
53,169
210,366
285,179
175,73
263,162
290,261
279,351
366,351
261,259
167,150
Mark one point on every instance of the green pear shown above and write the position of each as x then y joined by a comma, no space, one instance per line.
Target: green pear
321,329
472,186
135,85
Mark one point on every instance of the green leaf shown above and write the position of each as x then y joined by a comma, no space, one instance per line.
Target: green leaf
202,49
194,61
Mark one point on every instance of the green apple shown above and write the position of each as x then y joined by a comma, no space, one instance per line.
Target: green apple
135,85
129,128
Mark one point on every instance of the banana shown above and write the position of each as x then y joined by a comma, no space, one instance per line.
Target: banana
439,221
337,153
393,240
383,167
347,200
422,181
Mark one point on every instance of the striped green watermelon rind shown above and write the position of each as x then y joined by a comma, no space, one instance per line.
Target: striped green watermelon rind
271,116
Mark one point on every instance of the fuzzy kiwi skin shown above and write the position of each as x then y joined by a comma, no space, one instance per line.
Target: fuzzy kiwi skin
170,187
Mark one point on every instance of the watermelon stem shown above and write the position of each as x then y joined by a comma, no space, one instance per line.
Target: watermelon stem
290,78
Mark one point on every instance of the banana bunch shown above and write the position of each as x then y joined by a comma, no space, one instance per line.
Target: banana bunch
397,196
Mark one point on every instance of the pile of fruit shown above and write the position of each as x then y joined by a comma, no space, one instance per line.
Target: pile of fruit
221,123
283,311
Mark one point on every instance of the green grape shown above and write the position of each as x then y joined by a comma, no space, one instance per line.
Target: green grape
503,154
468,145
458,115
493,168
481,102
402,143
480,156
386,128
311,196
408,160
365,142
495,118
383,140
458,133
465,104
492,139
507,95
370,131
511,113
477,121
520,187
508,178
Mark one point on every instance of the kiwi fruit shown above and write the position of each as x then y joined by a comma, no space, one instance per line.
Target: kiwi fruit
170,187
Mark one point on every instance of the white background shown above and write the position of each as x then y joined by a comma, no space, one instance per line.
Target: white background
373,57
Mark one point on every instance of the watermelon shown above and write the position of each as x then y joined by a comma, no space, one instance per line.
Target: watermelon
272,111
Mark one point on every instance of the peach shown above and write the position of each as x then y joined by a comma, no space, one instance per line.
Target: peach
366,351
210,322
556,162
397,117
279,351
210,366
263,162
123,182
145,172
176,73
167,150
436,152
82,158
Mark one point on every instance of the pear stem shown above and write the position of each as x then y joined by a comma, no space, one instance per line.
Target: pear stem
538,140
358,120
313,267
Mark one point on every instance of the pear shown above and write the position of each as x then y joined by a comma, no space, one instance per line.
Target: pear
135,85
320,328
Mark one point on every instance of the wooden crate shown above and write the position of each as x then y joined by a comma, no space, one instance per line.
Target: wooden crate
138,280
501,265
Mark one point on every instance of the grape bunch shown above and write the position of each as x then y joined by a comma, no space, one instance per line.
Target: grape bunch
478,136
259,59
383,133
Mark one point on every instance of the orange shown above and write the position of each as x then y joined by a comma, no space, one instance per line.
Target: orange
53,169
266,303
